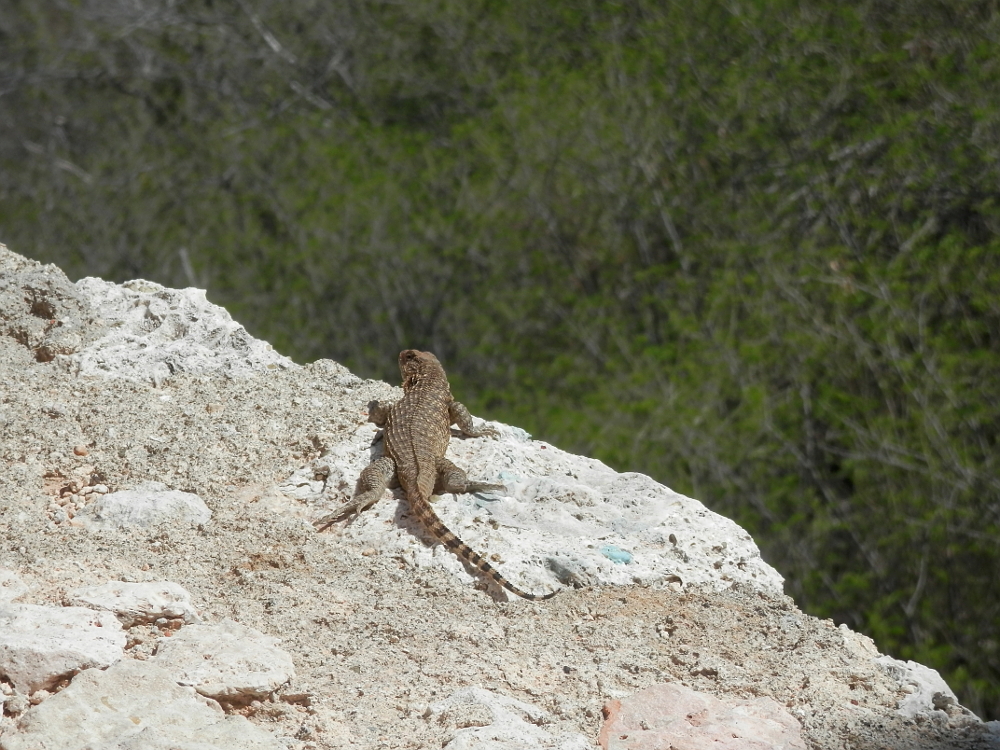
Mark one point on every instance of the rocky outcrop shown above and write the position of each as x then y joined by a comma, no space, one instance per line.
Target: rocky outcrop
163,468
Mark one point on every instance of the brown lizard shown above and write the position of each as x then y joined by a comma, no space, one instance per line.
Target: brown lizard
417,429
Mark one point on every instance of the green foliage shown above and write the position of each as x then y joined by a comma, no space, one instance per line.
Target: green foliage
750,248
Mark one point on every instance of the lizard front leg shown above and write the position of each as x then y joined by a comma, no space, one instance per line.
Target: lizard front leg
378,413
460,416
372,483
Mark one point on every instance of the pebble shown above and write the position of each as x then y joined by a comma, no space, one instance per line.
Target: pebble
616,554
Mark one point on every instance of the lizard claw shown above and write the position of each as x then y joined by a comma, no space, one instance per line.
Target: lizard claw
331,518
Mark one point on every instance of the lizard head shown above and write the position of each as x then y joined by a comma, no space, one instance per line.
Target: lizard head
415,365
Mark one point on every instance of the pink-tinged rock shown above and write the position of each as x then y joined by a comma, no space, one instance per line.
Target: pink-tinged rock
674,717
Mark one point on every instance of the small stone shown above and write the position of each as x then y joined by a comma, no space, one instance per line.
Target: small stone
40,645
147,505
483,718
228,661
81,450
136,603
17,704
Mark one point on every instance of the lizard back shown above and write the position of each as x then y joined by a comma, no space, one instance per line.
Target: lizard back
417,433
418,429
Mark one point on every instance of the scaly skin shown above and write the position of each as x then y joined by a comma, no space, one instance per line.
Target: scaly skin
417,431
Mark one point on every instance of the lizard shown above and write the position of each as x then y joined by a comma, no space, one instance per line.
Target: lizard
416,432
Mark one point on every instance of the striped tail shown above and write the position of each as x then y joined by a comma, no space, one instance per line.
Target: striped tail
447,537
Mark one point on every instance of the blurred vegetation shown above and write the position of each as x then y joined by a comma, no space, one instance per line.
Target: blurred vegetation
749,248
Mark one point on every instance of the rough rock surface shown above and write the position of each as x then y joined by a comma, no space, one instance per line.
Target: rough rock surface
132,705
227,661
137,603
152,333
564,521
673,716
481,719
926,690
380,622
149,504
39,645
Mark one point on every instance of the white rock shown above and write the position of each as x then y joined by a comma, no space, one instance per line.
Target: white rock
135,603
992,736
41,645
566,521
134,705
499,723
147,505
927,692
11,585
226,661
156,332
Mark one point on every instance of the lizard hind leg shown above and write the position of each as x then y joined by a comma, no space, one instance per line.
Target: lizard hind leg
372,483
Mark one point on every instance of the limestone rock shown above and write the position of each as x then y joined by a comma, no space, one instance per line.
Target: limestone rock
137,603
42,310
670,715
41,645
566,520
147,505
154,333
226,661
133,705
486,720
927,692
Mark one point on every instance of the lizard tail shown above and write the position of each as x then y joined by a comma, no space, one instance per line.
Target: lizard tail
449,539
